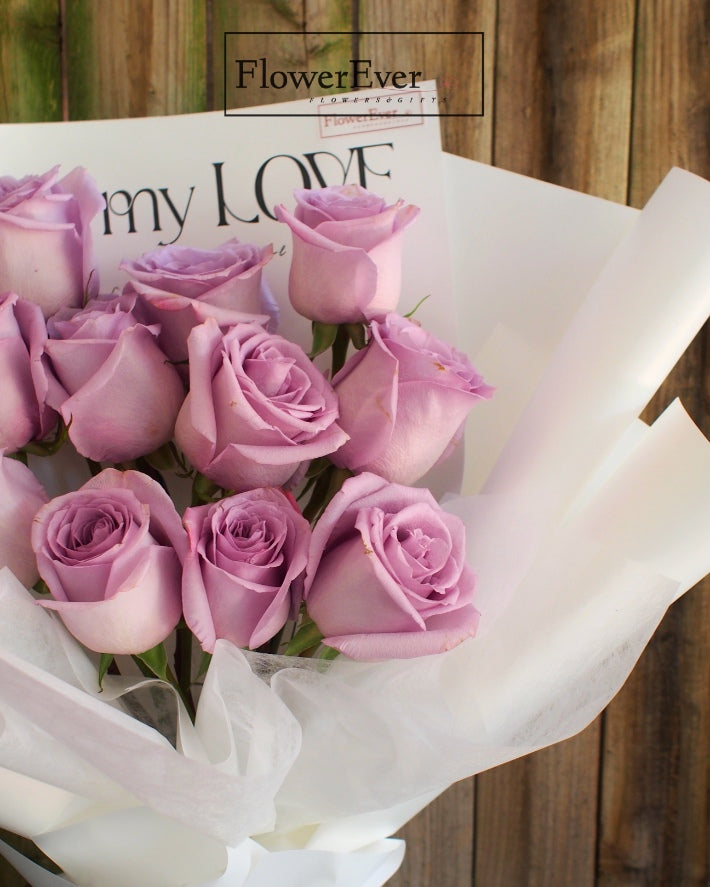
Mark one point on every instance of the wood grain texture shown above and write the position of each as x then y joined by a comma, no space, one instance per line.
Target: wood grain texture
30,61
671,119
291,49
535,818
563,86
450,59
11,878
655,791
439,846
135,58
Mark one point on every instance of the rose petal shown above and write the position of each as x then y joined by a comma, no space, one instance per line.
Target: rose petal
244,603
45,241
144,393
139,615
21,495
257,408
408,645
367,595
387,575
165,524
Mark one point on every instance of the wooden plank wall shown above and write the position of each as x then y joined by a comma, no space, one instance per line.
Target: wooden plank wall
602,97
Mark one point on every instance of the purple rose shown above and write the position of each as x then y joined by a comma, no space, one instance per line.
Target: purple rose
243,573
24,414
116,387
387,575
21,494
256,409
347,253
111,556
403,400
46,253
181,287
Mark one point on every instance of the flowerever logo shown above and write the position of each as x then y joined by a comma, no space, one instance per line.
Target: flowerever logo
359,75
386,67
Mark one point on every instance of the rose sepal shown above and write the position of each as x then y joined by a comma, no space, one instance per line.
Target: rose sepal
307,637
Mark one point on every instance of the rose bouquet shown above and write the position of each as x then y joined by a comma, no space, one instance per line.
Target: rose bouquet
485,626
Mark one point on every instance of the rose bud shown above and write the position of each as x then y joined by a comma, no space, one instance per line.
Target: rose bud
180,287
46,252
21,494
347,253
243,573
403,400
111,555
387,575
117,391
24,414
256,409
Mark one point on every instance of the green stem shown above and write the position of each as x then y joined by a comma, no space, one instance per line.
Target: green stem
340,348
185,695
326,486
48,447
183,666
169,678
306,638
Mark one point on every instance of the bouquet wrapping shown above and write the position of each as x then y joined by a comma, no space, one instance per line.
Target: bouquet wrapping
583,524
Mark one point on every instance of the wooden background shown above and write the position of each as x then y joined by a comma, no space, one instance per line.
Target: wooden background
598,96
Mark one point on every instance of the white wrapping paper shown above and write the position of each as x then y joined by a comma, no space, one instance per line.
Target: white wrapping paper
583,526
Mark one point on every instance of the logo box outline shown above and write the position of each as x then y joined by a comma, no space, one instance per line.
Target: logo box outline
244,112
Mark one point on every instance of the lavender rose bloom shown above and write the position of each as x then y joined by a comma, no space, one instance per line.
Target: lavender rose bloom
387,576
111,556
21,494
46,253
403,400
181,287
243,573
116,387
347,253
256,409
24,414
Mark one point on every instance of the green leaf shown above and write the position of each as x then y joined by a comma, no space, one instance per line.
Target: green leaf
104,665
327,485
184,470
310,483
315,505
307,636
318,466
203,490
204,665
340,349
156,659
323,337
41,587
328,653
49,446
417,306
357,333
161,459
